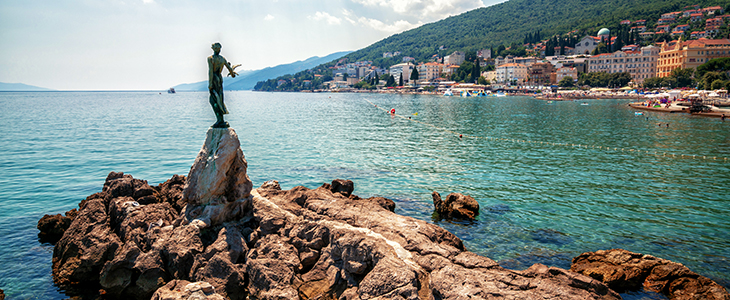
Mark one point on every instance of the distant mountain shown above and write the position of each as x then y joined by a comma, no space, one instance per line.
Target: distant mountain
246,80
20,87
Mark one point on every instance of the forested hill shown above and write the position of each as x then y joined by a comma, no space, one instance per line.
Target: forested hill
511,21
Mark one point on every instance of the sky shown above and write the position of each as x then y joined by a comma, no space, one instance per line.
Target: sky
157,44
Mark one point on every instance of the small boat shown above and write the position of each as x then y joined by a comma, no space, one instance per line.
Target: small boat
171,91
500,94
448,93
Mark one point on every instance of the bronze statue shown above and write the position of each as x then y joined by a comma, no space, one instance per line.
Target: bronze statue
216,62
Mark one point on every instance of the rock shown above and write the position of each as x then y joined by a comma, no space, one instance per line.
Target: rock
346,253
623,270
344,187
271,184
217,188
52,228
171,191
456,206
184,290
85,247
142,242
383,202
2,294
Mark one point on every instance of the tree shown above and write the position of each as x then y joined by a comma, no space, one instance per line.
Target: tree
482,80
567,81
344,76
718,84
414,75
706,81
400,80
714,65
683,76
390,81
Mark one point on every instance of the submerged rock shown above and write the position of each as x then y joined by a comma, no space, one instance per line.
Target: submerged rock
623,270
456,206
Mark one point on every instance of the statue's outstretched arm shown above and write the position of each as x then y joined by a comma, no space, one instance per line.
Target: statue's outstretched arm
232,70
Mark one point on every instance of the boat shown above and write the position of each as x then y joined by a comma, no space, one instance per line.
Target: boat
171,91
500,94
448,93
466,94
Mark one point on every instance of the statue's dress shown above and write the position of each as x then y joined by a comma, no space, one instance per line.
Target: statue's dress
215,83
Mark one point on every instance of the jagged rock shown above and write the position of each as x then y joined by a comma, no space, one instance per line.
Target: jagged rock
347,248
52,227
184,290
623,270
171,191
383,202
86,246
456,206
344,187
217,188
271,184
271,244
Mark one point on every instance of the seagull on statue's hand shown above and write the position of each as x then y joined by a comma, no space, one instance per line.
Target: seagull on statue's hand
233,70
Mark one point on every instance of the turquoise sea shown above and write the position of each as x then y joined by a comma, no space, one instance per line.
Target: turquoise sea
540,201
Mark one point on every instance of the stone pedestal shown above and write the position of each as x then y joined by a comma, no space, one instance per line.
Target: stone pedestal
217,188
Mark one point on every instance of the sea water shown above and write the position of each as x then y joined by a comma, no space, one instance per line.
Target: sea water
548,185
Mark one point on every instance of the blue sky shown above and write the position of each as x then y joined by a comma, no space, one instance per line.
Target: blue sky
155,44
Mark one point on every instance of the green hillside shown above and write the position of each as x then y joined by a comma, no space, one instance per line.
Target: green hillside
506,23
509,22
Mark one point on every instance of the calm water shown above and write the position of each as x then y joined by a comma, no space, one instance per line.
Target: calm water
539,203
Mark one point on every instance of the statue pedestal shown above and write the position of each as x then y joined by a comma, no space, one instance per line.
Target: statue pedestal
217,188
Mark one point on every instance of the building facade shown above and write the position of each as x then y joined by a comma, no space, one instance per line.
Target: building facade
401,70
539,73
511,73
429,71
455,58
689,54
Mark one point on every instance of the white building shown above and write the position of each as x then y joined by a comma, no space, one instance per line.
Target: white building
511,72
403,69
456,58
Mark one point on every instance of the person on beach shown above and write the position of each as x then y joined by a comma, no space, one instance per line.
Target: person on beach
216,62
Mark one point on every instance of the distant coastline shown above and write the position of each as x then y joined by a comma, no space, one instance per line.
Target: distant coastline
21,87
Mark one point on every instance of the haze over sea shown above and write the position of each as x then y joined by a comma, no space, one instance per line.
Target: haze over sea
539,202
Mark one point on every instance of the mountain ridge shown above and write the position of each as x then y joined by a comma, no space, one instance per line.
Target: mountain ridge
247,80
21,87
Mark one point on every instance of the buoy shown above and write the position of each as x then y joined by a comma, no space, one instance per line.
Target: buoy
392,111
460,136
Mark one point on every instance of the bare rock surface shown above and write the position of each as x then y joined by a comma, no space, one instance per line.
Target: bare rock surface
456,206
216,238
623,270
218,188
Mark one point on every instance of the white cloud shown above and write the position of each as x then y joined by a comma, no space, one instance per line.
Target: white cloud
332,20
268,17
397,26
425,10
148,1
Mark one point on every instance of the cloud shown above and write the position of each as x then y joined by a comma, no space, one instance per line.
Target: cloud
425,10
148,1
268,17
319,16
395,27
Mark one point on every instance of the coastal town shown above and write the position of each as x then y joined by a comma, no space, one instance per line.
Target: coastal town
641,64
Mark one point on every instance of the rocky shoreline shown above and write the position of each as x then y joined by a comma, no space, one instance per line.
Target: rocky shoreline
210,235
